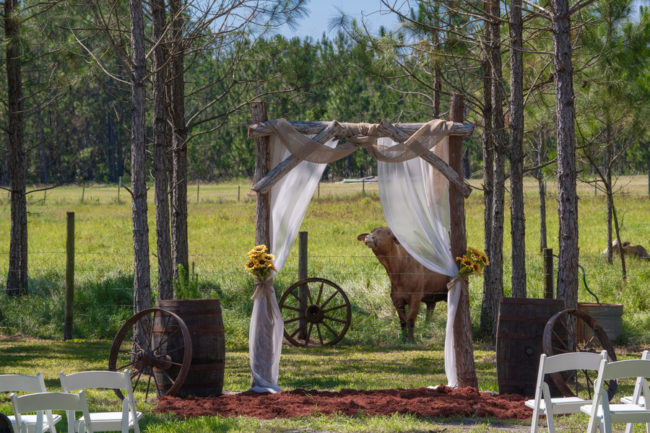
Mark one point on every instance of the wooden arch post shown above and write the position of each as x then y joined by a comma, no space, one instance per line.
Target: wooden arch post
262,167
463,348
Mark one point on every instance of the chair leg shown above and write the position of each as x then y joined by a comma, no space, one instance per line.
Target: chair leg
534,422
550,422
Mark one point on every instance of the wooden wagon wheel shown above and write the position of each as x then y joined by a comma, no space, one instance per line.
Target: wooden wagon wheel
320,316
165,349
592,338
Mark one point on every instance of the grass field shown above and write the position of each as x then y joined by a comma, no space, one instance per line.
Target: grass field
221,231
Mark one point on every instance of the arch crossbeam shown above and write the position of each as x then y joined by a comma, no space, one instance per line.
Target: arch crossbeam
325,131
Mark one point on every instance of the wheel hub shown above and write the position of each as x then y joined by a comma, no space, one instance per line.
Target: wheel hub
146,358
314,314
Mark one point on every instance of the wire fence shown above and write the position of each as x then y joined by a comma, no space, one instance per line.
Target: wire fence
197,192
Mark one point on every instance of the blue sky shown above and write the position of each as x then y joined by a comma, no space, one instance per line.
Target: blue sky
321,13
373,12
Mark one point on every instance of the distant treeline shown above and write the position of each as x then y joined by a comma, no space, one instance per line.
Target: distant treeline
77,118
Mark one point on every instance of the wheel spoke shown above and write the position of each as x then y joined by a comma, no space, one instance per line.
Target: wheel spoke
329,328
291,320
561,340
137,380
334,319
320,336
291,308
299,328
122,367
182,347
146,394
334,308
298,298
170,378
320,292
311,300
164,334
329,299
311,326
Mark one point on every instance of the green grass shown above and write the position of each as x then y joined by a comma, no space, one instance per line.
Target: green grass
221,231
354,367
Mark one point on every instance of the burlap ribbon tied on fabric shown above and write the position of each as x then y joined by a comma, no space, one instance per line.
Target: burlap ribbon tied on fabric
263,288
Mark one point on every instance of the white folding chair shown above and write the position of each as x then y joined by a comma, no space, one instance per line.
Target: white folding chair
636,397
543,403
122,421
28,384
603,414
44,401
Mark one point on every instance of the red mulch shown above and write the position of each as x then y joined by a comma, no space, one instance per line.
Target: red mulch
442,402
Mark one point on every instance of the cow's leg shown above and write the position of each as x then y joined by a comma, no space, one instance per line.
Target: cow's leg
430,307
414,307
400,306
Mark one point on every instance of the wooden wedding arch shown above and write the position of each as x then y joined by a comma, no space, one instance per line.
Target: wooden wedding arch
265,178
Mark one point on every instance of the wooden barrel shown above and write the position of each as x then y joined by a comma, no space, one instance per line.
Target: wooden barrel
608,316
520,329
203,319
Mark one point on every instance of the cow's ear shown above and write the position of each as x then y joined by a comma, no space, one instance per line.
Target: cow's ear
362,237
395,240
626,243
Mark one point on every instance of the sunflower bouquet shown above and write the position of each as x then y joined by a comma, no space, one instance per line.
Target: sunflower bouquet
472,262
260,262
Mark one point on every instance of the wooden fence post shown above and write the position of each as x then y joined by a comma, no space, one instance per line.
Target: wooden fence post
548,273
464,348
238,192
197,190
119,187
69,278
302,274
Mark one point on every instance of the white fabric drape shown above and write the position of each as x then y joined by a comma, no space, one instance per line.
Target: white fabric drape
289,200
415,201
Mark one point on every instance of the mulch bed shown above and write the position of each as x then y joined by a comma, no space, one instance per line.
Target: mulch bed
442,402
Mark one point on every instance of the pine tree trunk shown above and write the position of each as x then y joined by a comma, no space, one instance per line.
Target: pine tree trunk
17,277
141,277
500,156
437,74
516,124
567,280
160,149
608,188
179,149
487,305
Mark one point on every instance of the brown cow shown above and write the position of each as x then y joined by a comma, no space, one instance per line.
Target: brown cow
629,250
410,282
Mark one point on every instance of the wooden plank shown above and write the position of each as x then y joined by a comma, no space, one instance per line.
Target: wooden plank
265,184
454,177
261,129
463,346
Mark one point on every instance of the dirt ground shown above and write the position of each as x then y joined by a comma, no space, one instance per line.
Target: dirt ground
442,402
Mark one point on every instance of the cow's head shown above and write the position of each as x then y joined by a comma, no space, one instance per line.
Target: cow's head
380,240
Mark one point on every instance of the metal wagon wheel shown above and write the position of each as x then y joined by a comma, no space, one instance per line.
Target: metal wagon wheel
592,338
319,317
168,354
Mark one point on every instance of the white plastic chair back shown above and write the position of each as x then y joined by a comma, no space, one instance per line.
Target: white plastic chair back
28,384
602,413
636,397
107,421
49,401
543,403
